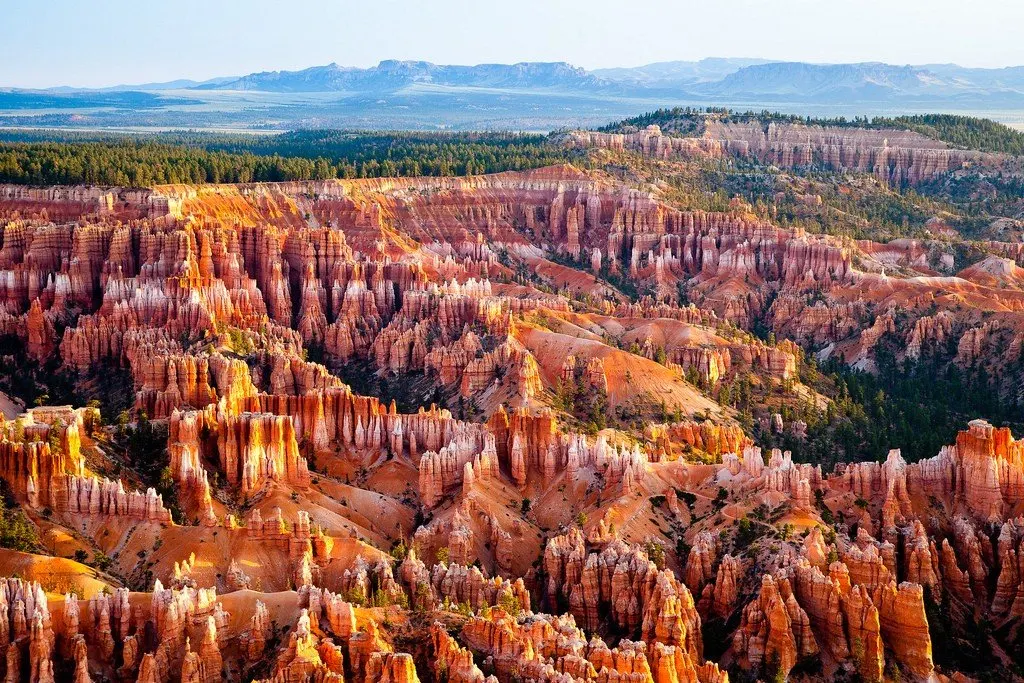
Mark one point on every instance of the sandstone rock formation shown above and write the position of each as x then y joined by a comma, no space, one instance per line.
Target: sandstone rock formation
523,521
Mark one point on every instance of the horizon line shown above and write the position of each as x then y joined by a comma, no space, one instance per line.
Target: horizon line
589,70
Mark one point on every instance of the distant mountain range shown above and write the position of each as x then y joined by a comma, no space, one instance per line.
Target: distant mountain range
663,74
391,75
536,96
754,79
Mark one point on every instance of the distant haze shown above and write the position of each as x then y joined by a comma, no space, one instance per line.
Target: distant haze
111,42
537,96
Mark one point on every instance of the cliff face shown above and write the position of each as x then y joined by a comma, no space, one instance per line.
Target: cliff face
41,460
894,156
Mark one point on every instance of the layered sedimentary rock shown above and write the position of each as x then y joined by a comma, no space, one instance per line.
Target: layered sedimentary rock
707,436
458,584
626,581
983,474
896,156
41,460
540,646
232,312
775,628
453,660
780,474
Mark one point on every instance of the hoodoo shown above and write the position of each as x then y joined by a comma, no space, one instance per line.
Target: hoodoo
552,424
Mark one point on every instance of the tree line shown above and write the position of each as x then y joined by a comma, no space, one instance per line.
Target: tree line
47,158
968,132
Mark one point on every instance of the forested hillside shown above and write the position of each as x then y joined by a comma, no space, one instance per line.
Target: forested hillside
48,158
962,131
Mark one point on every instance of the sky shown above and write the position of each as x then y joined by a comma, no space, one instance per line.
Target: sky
47,43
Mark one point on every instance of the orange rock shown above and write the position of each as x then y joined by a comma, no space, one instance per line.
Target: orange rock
864,633
391,667
905,628
774,629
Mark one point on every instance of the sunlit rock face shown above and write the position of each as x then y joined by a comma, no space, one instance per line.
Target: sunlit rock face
895,156
498,512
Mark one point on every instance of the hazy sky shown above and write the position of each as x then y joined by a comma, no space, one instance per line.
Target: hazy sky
107,42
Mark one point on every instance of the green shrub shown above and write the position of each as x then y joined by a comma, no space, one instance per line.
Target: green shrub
16,531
